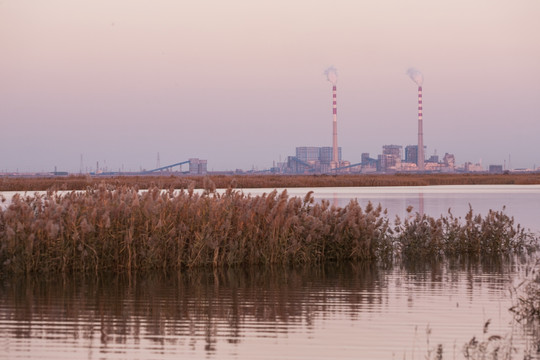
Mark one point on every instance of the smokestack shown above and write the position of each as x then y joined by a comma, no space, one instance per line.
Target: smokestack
331,74
420,132
335,157
418,78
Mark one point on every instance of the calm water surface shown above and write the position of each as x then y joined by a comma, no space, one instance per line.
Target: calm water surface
347,311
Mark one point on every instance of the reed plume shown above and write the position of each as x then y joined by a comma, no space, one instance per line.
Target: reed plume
118,228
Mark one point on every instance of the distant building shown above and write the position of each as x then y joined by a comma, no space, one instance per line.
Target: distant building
390,159
409,167
313,159
411,154
449,161
297,166
365,158
308,153
197,166
470,167
369,164
326,154
394,150
495,169
432,166
388,163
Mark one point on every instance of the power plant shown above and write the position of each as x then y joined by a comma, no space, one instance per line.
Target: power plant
328,159
311,159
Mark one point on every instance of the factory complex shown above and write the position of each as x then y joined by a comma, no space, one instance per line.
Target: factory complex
328,159
412,159
315,160
321,160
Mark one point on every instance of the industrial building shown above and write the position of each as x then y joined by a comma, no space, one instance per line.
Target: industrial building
495,169
390,159
308,153
449,162
313,159
197,166
411,154
369,164
327,155
394,150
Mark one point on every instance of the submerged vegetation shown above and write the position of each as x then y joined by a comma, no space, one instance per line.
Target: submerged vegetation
527,305
117,228
81,182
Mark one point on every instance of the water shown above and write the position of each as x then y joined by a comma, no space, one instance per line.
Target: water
334,312
340,311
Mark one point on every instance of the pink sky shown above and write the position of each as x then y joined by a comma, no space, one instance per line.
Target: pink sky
241,83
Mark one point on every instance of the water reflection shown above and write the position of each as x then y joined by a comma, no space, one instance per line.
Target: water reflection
421,203
237,313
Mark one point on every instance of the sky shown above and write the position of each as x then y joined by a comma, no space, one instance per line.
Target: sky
241,82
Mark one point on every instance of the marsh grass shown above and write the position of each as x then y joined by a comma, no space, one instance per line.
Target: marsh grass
422,236
489,346
486,346
527,297
526,308
81,182
117,228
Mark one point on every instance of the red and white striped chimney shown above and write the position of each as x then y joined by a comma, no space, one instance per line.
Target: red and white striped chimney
335,157
420,154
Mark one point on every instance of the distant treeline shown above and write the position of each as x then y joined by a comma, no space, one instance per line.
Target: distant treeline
117,228
81,182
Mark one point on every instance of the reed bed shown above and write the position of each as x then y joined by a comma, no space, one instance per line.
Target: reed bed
81,182
117,228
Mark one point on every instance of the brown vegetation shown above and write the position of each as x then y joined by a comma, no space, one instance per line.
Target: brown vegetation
119,229
263,181
527,300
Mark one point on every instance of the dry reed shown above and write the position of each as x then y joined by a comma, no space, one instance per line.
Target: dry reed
116,228
81,182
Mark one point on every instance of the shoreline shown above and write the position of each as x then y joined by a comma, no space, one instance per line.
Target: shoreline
82,182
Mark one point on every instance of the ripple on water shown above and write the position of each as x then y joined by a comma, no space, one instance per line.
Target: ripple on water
345,312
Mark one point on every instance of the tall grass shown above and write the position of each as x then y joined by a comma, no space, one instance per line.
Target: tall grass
527,304
116,228
263,181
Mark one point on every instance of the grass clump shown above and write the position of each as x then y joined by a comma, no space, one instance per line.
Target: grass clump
116,228
494,234
527,307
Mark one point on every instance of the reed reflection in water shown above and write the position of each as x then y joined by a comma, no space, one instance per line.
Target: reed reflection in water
347,311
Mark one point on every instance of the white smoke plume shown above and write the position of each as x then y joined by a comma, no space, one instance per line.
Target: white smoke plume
416,76
331,74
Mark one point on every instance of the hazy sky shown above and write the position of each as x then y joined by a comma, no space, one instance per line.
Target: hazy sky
241,83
